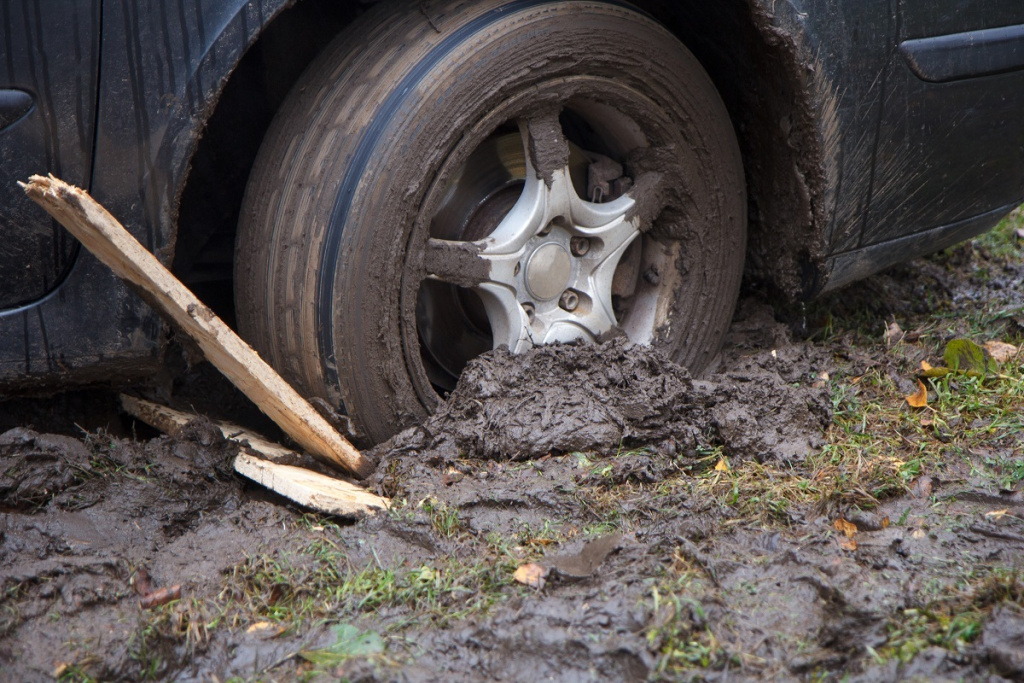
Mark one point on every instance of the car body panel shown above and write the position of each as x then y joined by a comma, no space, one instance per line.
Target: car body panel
48,81
162,70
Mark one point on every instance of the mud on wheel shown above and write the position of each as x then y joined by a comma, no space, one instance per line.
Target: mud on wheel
496,174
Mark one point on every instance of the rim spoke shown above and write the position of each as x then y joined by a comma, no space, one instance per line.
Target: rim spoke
460,263
510,325
562,326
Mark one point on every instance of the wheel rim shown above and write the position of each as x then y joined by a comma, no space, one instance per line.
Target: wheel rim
516,255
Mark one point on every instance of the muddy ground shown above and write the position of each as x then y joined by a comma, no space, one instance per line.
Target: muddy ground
653,505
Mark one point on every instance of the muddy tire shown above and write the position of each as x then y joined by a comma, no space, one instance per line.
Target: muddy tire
447,180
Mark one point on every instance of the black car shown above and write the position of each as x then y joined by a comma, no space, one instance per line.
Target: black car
376,192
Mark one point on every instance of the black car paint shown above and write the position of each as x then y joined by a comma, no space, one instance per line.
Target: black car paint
160,68
897,165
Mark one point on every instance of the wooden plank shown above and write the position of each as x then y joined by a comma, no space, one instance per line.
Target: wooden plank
169,421
107,239
309,489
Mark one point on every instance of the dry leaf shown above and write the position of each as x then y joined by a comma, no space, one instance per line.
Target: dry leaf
926,366
266,629
894,333
847,528
531,574
1000,351
885,522
722,466
922,487
926,421
997,514
919,533
847,544
919,399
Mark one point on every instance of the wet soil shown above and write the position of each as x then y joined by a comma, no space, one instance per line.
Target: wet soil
574,458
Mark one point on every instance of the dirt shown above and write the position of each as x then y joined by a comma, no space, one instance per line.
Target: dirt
584,460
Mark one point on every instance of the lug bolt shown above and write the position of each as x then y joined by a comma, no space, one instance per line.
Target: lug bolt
569,300
530,309
579,246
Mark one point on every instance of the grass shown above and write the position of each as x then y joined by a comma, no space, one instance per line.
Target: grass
319,583
951,617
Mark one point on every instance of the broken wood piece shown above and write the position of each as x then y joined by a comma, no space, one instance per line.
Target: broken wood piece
169,421
307,488
310,489
108,240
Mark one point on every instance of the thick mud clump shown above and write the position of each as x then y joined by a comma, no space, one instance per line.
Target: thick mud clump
615,396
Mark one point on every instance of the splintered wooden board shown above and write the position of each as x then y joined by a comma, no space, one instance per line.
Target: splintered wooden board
101,234
305,487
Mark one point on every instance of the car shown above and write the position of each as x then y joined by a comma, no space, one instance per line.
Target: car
375,193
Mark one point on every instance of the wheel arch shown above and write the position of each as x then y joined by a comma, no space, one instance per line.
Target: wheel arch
752,57
755,58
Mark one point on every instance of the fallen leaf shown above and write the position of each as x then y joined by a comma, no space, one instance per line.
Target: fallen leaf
531,574
349,642
919,533
847,544
846,527
160,596
586,562
722,466
266,629
1001,351
922,487
997,514
927,421
885,522
919,399
894,333
965,356
928,371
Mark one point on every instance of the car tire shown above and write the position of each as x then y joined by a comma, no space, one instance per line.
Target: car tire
442,181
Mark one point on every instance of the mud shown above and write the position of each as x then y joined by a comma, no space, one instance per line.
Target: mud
619,396
587,460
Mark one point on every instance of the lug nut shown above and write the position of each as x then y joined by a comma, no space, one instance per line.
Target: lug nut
579,246
530,309
569,300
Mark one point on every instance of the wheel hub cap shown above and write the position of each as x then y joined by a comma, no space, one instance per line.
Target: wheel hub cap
548,271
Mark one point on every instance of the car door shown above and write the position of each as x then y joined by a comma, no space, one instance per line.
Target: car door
950,143
49,55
